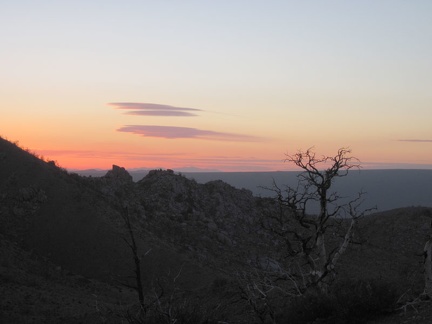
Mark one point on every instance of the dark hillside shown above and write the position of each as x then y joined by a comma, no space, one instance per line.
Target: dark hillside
63,255
391,247
34,290
73,221
64,223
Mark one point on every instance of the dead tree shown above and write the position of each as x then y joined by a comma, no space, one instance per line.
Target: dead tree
309,245
160,301
306,234
132,244
427,252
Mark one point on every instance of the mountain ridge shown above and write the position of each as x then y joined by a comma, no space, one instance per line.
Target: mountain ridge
57,224
385,188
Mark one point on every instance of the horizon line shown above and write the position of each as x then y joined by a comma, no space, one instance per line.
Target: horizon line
425,167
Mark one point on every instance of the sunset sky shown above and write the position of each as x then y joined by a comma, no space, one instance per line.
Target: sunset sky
229,85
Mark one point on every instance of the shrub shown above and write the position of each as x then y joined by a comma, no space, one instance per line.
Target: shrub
307,309
352,302
361,300
180,312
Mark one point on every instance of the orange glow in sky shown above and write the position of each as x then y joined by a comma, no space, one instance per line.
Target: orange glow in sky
217,85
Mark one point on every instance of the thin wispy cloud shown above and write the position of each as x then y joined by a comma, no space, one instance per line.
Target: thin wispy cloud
176,132
396,165
151,109
170,160
416,140
113,155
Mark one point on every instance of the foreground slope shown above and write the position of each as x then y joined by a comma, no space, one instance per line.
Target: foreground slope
62,237
72,221
54,214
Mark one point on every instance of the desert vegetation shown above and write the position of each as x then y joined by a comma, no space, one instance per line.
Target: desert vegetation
167,249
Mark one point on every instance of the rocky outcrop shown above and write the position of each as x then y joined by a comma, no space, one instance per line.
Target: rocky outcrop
213,220
118,176
117,182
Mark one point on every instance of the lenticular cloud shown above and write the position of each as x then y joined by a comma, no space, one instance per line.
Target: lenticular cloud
151,109
173,132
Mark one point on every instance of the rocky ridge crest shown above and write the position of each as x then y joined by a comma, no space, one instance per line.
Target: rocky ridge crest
211,221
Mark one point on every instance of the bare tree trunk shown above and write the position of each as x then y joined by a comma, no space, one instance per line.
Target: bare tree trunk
320,238
344,246
428,267
134,248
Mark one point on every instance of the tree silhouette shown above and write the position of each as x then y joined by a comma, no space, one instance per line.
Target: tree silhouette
131,242
310,245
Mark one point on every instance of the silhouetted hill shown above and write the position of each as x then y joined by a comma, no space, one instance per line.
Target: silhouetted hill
73,221
65,223
63,254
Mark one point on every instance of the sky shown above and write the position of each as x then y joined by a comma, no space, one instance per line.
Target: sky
228,85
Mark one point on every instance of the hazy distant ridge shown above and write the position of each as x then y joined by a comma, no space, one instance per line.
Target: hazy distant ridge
386,189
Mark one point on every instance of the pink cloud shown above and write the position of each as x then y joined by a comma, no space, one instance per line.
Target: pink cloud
173,132
167,113
150,109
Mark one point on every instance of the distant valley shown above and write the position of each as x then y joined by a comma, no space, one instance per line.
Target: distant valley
385,189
